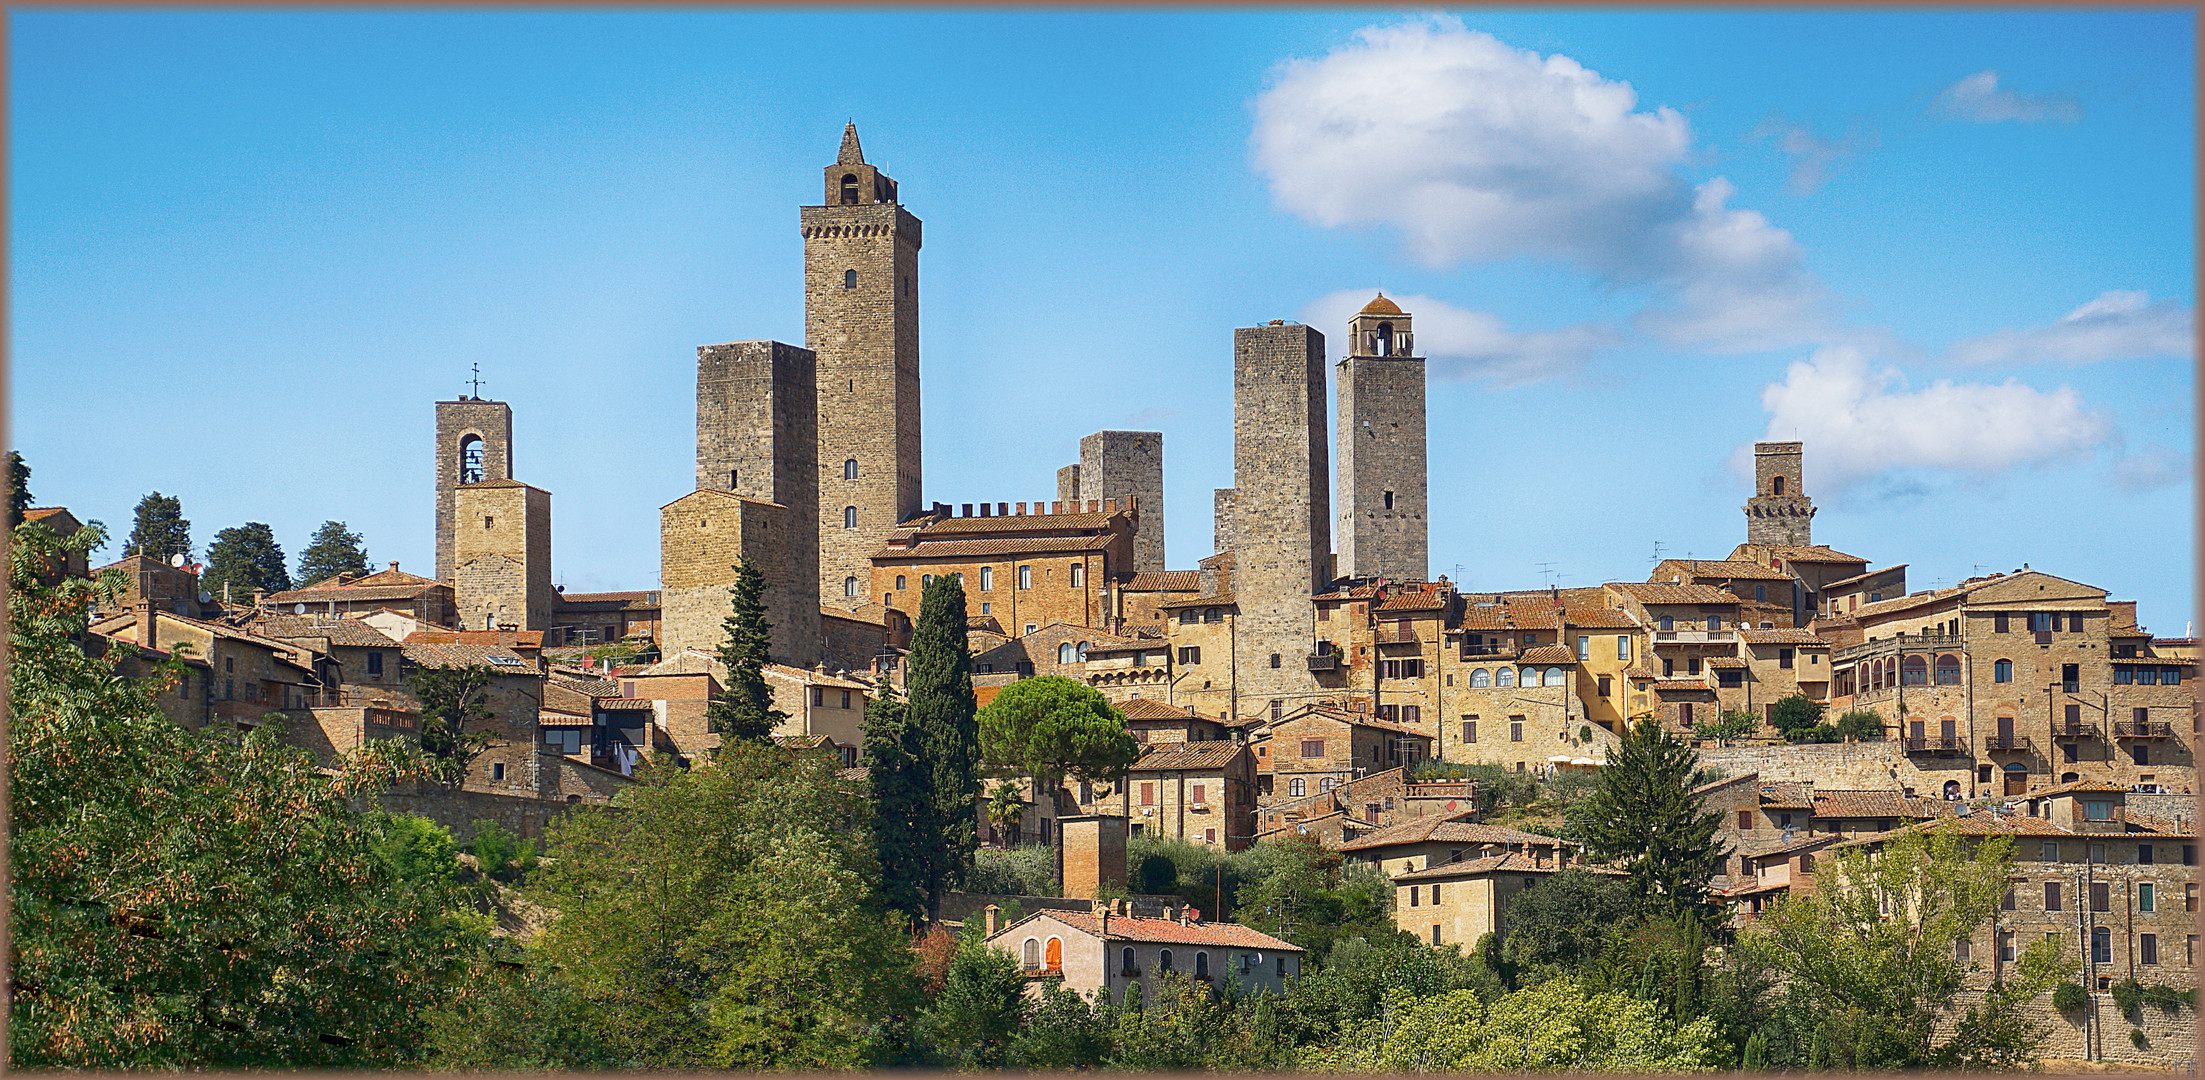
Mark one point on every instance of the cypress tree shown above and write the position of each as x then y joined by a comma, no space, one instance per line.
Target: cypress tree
160,530
1644,814
939,680
19,488
744,709
902,805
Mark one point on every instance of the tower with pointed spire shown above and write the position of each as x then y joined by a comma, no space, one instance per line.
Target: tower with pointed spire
1381,487
861,318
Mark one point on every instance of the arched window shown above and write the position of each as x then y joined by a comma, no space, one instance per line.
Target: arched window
1327,784
1480,678
849,279
1065,653
1555,677
1528,677
1385,339
1127,957
849,517
1668,622
1948,670
1914,671
1714,622
1032,953
1213,614
1081,652
1054,955
987,578
1202,965
1505,677
849,189
470,460
2002,671
850,469
1297,787
1777,487
1163,960
849,586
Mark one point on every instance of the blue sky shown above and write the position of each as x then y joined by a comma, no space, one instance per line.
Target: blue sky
1953,251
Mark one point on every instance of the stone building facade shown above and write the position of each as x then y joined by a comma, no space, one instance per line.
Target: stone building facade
1381,493
1200,792
1023,570
1128,467
1779,511
702,535
474,443
501,555
861,319
1282,508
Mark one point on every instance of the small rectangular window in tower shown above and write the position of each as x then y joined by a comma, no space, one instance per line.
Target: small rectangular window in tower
1079,574
1389,500
849,279
488,522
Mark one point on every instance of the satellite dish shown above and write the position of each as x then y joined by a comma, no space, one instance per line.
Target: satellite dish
206,597
176,560
298,609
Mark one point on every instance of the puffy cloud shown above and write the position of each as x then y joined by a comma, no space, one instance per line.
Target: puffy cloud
2154,467
1461,344
1978,98
2118,325
1814,158
1861,421
1475,150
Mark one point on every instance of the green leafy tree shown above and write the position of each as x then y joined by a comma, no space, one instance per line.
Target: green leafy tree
938,679
1645,817
981,1007
19,488
1796,712
243,559
744,710
1863,724
1553,1027
1729,726
1566,924
455,709
903,806
1050,728
1296,888
418,849
1183,1027
1871,951
751,932
1062,1033
183,902
160,530
333,550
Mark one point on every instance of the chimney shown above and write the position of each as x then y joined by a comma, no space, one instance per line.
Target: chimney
147,632
993,911
258,596
394,566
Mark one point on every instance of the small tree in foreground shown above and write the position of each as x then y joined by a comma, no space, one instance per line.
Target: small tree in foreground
1645,816
744,709
455,709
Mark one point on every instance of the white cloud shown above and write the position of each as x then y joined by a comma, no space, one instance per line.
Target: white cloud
1475,150
1859,421
1979,99
2118,325
1814,158
1461,344
2154,467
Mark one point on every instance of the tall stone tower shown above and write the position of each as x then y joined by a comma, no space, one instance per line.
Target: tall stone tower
1282,510
1779,512
861,319
1116,464
1381,440
757,497
474,443
501,555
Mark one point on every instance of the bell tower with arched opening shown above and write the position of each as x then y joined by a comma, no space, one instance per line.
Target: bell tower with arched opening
861,319
474,444
1381,485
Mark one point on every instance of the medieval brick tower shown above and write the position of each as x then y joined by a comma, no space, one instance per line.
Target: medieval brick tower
1779,512
474,443
1127,466
501,555
861,318
1381,445
1282,508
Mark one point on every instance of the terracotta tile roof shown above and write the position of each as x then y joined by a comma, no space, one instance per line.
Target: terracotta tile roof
801,742
610,601
1678,686
1414,596
1640,671
1726,662
1781,637
550,719
1819,553
1152,709
1165,581
1482,617
348,594
2162,826
338,631
1745,569
1221,600
1910,601
1877,804
1598,619
1549,654
1003,545
41,513
1505,863
2128,632
809,677
1445,829
596,688
523,639
1662,593
1195,755
2078,785
1976,822
497,658
1859,578
1787,795
1780,845
1165,931
621,704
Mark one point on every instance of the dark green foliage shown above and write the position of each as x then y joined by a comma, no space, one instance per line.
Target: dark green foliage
1029,870
1156,875
1063,1032
499,854
1295,888
418,849
182,902
455,706
981,1006
2137,1040
2127,995
517,1016
1863,724
1645,817
1794,713
19,488
2069,997
1361,973
243,559
1729,726
903,811
1756,1056
2169,999
161,530
1566,923
744,710
938,678
333,550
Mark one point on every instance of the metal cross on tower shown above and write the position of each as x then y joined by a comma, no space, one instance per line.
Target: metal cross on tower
476,382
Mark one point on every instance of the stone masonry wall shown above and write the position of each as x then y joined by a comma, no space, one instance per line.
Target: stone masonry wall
501,552
1382,528
490,421
701,537
1773,518
1221,519
1117,464
1860,765
1068,484
865,332
1282,511
758,435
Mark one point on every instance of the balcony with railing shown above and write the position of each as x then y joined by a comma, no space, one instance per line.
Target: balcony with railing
2080,729
2142,729
1693,636
1491,650
2008,742
1394,635
1933,744
1324,662
1897,643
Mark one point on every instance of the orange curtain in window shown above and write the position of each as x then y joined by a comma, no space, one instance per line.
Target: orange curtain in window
1056,953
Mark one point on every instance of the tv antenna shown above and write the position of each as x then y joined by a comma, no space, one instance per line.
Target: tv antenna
1656,556
476,382
1546,573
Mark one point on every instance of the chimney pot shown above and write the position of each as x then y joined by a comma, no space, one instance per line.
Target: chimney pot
394,566
993,912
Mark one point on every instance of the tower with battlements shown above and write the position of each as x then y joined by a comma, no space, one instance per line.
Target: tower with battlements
1779,513
861,321
1381,490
